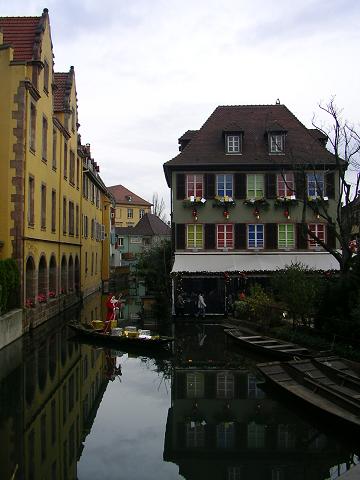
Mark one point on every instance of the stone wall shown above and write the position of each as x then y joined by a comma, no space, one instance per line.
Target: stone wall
43,311
11,327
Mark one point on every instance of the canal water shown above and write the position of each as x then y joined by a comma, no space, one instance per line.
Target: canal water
71,410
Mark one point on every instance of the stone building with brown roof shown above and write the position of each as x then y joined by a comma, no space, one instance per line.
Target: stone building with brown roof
130,208
238,188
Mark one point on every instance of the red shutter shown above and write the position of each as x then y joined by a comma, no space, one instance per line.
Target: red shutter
180,186
270,185
240,185
270,236
301,236
180,236
240,236
330,185
210,241
209,185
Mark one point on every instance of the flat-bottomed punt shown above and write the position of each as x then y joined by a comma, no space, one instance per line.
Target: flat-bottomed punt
129,336
277,349
327,384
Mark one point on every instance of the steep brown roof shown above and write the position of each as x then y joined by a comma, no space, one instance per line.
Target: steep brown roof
122,194
23,34
207,147
60,80
151,225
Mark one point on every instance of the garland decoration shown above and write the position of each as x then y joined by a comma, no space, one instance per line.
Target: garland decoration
224,202
194,202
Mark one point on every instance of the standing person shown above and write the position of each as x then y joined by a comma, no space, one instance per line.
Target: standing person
180,304
201,305
111,304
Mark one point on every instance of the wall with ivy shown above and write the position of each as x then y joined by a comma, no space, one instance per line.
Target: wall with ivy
9,285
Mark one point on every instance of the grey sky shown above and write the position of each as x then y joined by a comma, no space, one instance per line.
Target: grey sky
147,71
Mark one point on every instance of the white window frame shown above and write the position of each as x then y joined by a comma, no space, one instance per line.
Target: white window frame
277,142
258,179
312,242
257,244
233,144
287,240
287,180
225,182
197,179
225,385
195,385
314,183
227,226
197,226
130,213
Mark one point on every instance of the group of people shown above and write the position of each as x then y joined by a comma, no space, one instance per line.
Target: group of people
197,304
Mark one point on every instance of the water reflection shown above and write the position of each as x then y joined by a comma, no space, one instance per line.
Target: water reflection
70,410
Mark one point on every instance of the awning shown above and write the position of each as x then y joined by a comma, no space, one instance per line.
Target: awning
250,262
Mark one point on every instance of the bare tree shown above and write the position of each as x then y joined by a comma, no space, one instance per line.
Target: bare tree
158,207
344,144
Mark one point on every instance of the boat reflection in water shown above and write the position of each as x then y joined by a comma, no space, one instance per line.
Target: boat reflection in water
222,425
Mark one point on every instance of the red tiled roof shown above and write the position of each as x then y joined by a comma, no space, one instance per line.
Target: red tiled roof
122,195
207,147
20,32
60,80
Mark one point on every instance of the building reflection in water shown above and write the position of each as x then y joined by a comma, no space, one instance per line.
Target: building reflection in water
50,390
221,424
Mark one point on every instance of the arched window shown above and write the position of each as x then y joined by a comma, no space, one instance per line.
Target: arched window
64,275
53,275
42,366
30,380
30,280
42,277
71,274
77,274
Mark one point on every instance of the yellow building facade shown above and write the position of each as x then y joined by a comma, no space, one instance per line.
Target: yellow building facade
130,208
50,184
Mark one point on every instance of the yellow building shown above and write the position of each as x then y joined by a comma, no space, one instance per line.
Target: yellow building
130,208
51,193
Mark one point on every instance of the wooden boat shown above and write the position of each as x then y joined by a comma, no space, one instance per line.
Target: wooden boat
129,336
277,349
337,395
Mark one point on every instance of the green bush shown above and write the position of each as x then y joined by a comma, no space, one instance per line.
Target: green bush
9,285
262,308
241,309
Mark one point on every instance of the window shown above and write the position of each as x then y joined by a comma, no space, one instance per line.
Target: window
92,263
315,184
86,265
53,210
255,186
44,138
225,236
31,206
255,236
255,435
253,390
77,220
32,127
71,218
286,235
43,206
285,184
65,160
46,76
224,185
121,241
64,215
54,160
135,240
225,435
233,144
225,385
98,198
195,435
317,229
77,172
130,213
141,213
195,385
286,436
277,142
72,168
194,236
194,185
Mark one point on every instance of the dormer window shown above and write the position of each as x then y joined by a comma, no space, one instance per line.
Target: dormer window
129,199
233,143
276,142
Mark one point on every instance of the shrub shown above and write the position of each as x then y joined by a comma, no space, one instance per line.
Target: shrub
9,285
261,307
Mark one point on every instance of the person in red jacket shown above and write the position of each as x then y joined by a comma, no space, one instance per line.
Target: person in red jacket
111,304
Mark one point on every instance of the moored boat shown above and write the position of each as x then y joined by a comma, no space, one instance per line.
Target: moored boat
306,381
128,336
277,349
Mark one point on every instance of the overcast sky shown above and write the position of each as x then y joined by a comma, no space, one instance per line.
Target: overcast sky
148,70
